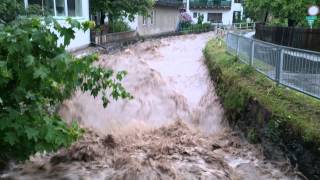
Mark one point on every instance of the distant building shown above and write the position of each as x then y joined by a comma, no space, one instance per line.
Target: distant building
163,18
61,9
215,11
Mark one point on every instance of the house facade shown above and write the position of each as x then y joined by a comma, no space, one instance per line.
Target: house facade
163,18
215,11
60,10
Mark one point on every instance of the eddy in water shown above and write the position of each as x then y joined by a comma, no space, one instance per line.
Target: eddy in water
174,127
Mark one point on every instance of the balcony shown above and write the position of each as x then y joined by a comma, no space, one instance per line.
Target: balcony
169,3
210,4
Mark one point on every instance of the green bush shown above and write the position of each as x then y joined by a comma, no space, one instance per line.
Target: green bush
10,9
36,75
195,28
118,26
200,19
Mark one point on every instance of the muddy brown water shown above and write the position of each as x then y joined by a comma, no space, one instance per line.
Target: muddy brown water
174,128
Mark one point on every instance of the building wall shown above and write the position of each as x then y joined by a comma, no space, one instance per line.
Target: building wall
166,19
227,15
82,39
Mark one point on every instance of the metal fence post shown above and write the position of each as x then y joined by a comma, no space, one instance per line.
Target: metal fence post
238,45
228,40
279,66
252,53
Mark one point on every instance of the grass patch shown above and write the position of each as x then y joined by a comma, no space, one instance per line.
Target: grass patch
237,82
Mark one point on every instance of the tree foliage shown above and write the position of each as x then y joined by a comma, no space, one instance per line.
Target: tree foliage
11,9
121,8
291,11
36,75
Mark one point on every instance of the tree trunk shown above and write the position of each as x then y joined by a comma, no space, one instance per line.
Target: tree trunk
266,17
102,17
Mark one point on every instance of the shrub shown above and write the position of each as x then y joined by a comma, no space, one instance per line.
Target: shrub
118,26
196,28
10,9
36,75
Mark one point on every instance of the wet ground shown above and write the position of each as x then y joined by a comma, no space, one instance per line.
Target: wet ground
174,128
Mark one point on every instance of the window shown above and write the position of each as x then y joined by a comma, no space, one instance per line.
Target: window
195,15
237,1
74,8
215,17
59,7
236,16
45,5
35,2
49,6
152,17
144,20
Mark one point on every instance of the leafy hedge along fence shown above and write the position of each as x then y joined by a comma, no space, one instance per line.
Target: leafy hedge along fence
196,28
302,38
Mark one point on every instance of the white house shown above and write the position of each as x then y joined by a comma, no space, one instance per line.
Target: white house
215,11
61,9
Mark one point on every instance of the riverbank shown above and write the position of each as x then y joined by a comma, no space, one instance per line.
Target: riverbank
282,120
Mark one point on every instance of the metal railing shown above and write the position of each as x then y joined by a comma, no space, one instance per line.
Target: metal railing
222,30
295,68
210,4
238,26
170,3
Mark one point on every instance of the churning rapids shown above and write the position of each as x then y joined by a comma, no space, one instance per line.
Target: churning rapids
174,128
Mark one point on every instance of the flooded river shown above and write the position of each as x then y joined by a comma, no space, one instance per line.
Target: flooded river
174,128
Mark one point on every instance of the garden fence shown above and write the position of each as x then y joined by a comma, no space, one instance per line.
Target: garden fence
302,38
295,68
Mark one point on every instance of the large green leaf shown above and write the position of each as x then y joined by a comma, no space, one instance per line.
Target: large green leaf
32,133
10,138
41,72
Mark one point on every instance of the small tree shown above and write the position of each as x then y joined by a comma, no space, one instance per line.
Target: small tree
200,19
120,8
36,75
291,11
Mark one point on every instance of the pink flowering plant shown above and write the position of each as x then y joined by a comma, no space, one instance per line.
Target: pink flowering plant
185,20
